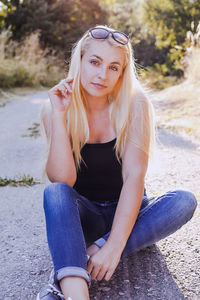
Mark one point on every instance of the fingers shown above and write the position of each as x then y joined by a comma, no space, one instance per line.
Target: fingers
101,274
97,271
105,272
93,268
102,264
63,88
109,274
69,82
90,265
68,87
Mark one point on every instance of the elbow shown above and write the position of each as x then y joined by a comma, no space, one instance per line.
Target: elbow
70,182
63,178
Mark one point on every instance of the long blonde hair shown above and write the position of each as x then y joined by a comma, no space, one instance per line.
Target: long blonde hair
130,110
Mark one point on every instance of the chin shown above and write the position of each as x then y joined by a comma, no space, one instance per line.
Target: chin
97,93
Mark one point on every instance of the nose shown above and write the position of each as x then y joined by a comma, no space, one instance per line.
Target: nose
102,72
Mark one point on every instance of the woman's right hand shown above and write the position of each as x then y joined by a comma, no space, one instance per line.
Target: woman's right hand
60,95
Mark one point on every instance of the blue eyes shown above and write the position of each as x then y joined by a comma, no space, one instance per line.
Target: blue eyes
96,63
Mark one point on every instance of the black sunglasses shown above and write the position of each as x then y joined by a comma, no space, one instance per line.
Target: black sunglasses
102,33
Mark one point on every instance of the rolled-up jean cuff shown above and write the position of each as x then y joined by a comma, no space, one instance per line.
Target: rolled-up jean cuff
73,271
100,242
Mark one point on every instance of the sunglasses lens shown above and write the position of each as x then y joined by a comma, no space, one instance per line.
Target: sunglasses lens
99,33
121,38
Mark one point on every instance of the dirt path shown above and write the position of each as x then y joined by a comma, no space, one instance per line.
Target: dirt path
168,270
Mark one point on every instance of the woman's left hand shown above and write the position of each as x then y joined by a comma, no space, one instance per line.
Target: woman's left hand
102,264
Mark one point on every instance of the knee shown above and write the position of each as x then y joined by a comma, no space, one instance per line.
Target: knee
56,194
186,202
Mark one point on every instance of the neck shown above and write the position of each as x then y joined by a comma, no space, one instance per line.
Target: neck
96,105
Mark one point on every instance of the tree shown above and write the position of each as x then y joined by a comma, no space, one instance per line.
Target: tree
168,22
60,22
127,16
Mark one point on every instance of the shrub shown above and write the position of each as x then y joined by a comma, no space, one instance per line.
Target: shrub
26,64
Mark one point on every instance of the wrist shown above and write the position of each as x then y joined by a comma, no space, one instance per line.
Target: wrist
59,115
114,246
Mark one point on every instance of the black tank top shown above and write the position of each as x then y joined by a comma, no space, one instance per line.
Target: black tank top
101,178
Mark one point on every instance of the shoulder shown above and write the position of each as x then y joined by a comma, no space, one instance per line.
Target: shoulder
140,99
141,109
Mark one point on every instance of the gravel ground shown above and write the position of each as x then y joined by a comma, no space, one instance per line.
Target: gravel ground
168,270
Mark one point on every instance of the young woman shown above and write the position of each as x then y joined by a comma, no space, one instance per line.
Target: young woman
100,132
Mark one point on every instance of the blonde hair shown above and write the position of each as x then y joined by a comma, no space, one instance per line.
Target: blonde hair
130,110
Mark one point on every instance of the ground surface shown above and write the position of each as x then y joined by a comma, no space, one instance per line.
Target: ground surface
168,270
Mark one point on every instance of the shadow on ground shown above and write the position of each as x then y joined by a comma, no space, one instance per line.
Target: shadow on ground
170,139
143,275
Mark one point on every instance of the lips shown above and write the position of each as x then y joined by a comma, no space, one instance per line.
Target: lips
98,85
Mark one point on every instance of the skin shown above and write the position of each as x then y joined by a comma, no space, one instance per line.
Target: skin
103,64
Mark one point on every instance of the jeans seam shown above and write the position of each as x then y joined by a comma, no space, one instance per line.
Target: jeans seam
155,203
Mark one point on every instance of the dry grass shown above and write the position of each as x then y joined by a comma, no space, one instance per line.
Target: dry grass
192,65
26,64
178,107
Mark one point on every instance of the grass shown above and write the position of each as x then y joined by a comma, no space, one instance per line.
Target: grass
2,104
198,196
34,131
179,110
178,107
156,81
23,181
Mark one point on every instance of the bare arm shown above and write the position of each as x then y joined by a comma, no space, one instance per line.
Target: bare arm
134,167
60,165
130,197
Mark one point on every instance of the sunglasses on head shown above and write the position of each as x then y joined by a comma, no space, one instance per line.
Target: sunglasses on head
100,33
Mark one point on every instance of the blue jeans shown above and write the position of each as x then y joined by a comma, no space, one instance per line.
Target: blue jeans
73,223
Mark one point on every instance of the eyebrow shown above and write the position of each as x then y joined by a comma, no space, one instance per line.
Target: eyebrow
114,62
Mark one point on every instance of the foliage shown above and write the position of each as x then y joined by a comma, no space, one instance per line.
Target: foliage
157,28
25,180
127,17
26,64
60,22
154,78
168,22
